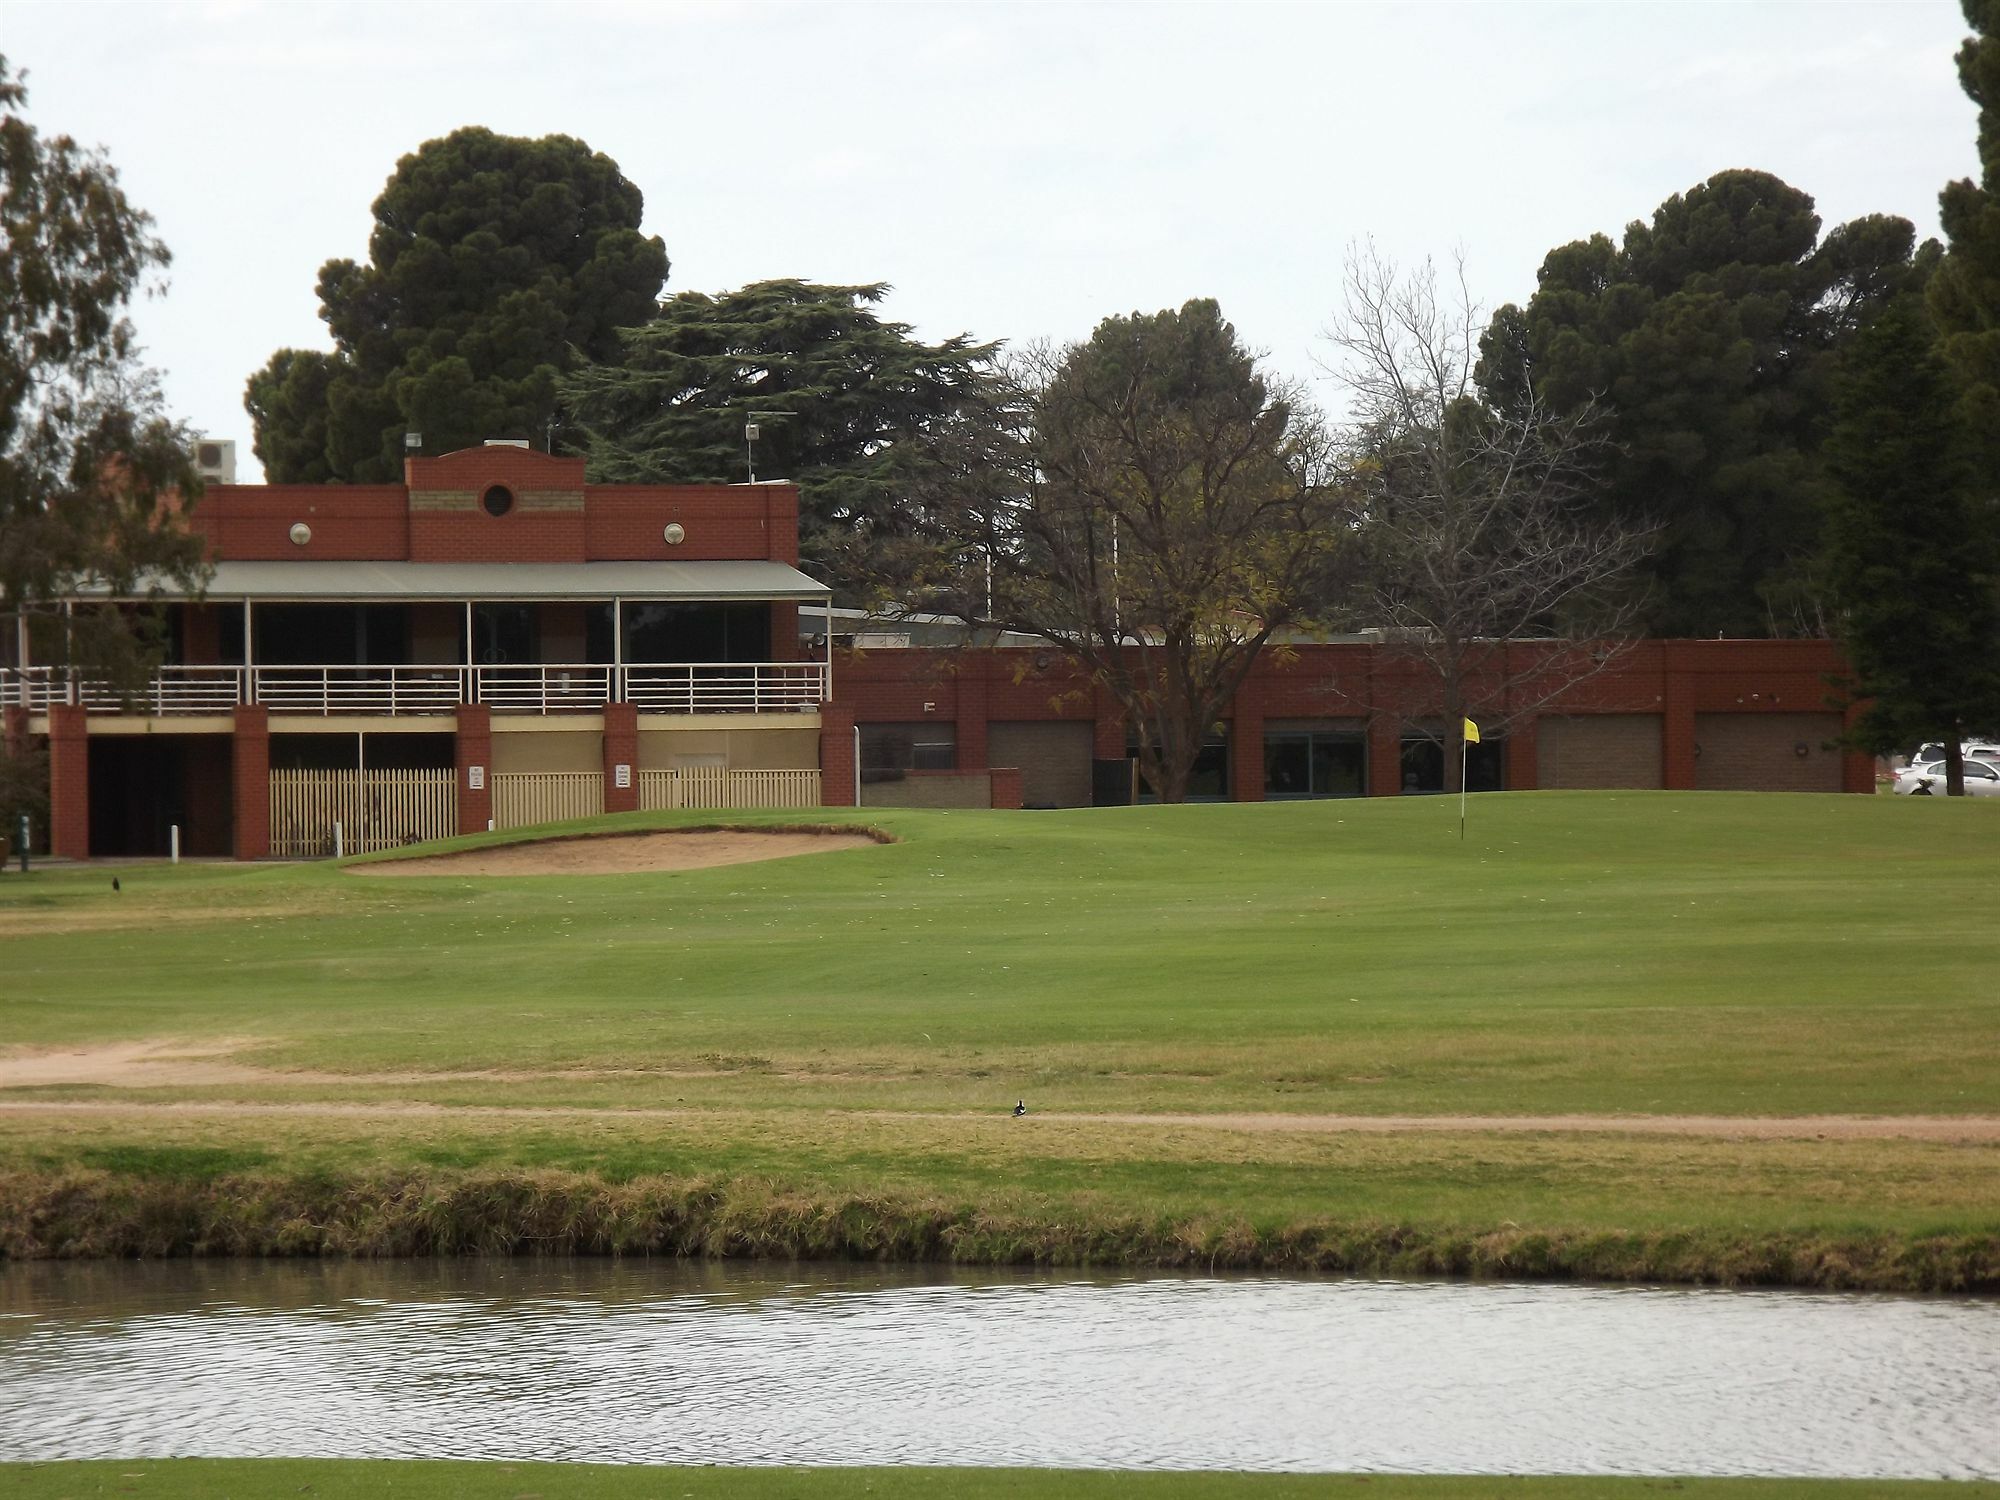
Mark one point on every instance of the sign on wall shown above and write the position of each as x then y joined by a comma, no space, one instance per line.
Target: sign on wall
621,776
475,778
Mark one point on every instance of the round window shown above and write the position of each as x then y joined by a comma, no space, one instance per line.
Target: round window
498,500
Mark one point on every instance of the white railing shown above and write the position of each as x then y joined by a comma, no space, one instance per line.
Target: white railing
171,690
543,689
359,690
672,688
786,687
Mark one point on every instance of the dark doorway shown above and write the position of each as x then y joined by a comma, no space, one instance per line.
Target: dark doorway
142,786
697,632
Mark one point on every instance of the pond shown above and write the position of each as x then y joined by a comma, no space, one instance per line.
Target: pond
665,1362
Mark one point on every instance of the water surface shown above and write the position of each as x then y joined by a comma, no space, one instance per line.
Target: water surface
661,1362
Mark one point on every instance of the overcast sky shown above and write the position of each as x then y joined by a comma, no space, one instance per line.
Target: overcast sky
1016,171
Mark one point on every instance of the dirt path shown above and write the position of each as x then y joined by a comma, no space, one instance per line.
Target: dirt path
1971,1128
624,854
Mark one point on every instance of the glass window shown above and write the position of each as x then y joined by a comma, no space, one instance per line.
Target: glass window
1208,779
1314,763
888,751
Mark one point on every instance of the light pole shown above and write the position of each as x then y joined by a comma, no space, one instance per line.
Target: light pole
750,421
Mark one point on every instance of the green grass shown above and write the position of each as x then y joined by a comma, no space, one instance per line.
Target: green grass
226,1479
855,1024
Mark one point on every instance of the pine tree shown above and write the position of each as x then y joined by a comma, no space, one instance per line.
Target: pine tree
1911,545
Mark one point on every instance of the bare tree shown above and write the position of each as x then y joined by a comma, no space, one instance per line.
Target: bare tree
1167,510
1485,569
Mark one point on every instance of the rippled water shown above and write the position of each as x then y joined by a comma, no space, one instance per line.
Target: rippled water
664,1363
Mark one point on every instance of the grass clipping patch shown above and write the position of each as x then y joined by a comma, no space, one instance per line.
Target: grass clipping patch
77,1213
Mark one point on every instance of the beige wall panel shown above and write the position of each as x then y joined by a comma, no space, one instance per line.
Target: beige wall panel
774,750
1053,759
659,747
547,752
1760,753
1599,751
935,789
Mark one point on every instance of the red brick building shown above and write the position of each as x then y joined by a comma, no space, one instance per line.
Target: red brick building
496,642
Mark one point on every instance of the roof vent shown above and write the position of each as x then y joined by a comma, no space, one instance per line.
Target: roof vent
506,442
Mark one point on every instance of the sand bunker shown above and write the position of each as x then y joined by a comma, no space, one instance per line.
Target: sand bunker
628,853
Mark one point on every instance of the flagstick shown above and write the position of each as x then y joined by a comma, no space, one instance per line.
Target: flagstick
1463,752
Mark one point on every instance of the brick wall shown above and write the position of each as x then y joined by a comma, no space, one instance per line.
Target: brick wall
1600,750
1768,752
1053,759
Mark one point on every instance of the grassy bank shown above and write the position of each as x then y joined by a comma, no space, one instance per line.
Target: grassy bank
330,1479
836,1039
513,1213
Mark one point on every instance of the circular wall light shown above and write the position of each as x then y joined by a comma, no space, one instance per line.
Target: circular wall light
301,533
675,533
1802,750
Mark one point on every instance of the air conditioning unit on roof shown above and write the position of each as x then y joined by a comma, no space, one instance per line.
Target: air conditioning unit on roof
215,460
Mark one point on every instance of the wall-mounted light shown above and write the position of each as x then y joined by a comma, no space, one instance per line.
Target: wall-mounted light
675,533
301,533
1802,749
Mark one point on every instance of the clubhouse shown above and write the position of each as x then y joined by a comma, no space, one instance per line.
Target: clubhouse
495,642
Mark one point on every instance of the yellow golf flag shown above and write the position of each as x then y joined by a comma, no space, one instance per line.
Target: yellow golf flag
1471,733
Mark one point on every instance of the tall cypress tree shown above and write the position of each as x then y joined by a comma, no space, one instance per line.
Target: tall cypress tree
1912,551
1965,292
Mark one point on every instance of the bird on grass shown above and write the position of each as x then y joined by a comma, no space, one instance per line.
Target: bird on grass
1020,1108
114,884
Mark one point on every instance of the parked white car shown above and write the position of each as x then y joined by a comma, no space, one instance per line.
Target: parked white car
1926,779
1979,745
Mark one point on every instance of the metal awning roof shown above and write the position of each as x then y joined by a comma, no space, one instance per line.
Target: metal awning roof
390,582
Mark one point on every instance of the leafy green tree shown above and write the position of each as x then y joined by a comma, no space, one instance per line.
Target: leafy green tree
496,263
1707,337
1168,510
1913,549
847,405
1964,295
94,478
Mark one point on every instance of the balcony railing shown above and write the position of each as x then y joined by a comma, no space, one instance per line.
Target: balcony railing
672,688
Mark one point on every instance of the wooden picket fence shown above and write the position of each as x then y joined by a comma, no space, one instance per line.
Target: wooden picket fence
524,797
718,787
375,810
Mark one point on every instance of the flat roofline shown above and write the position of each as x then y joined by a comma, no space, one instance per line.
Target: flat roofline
368,582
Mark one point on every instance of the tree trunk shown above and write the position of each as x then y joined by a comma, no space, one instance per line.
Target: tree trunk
1954,767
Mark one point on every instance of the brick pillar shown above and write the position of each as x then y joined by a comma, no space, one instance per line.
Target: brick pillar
69,782
201,634
475,755
1246,749
1523,765
836,756
621,748
785,642
1006,788
969,728
1677,747
14,729
251,760
1857,767
1385,756
1107,730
